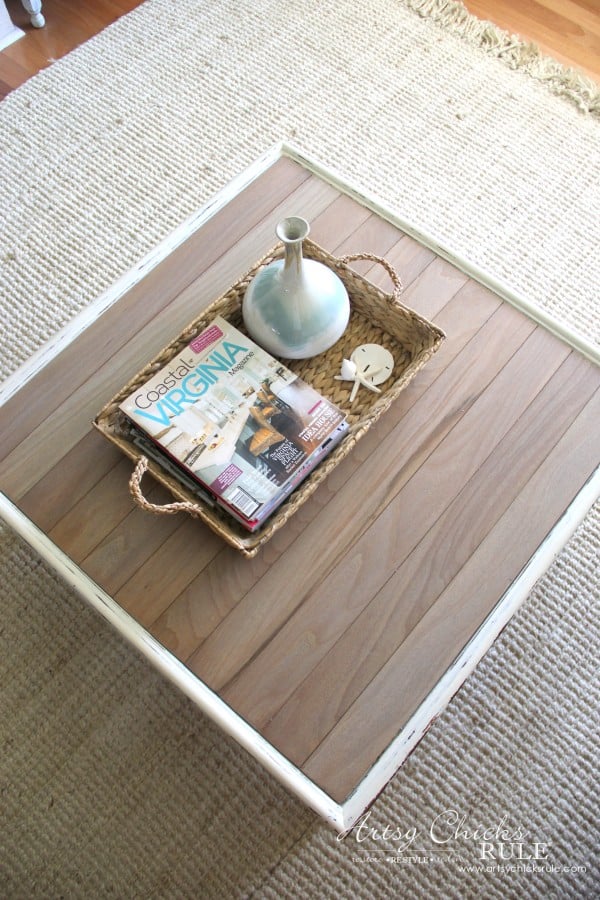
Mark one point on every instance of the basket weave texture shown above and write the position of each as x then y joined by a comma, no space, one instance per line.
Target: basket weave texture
375,317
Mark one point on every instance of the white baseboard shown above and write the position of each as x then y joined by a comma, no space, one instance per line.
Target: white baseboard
9,37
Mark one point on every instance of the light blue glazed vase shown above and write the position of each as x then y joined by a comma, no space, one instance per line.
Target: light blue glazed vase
295,307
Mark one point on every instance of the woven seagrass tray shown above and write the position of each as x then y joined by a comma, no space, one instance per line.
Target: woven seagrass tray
375,317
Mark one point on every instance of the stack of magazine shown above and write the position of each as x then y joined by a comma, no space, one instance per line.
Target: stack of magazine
233,424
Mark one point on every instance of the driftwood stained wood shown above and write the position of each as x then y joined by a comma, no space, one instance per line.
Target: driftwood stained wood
329,639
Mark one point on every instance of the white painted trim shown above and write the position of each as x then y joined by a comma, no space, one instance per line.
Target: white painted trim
10,37
465,663
169,666
376,205
340,816
97,307
282,149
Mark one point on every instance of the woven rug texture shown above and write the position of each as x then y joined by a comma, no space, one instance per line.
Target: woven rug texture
112,784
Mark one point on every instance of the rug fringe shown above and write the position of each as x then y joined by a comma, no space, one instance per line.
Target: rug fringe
516,53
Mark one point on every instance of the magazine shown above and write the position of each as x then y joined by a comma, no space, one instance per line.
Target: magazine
235,421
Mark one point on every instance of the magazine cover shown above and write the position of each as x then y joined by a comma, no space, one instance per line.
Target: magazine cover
236,420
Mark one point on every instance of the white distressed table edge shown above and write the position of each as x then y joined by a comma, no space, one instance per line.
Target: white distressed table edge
342,816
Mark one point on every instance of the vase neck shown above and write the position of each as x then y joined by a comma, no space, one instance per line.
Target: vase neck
293,258
291,232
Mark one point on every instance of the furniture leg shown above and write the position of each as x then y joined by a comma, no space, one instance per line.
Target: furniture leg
34,8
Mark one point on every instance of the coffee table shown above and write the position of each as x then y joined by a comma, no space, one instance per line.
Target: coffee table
329,654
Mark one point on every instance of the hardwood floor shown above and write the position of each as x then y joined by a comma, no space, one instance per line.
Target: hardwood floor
568,30
69,23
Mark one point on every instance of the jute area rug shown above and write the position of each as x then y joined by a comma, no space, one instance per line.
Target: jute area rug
111,783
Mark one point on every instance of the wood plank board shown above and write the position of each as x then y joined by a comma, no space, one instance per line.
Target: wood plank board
374,634
329,640
464,603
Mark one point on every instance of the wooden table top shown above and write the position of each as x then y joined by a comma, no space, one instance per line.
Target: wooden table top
347,622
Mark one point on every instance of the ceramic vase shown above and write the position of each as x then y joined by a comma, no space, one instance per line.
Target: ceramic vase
295,307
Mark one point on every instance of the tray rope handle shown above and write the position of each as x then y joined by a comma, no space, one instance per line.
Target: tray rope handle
168,509
396,280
